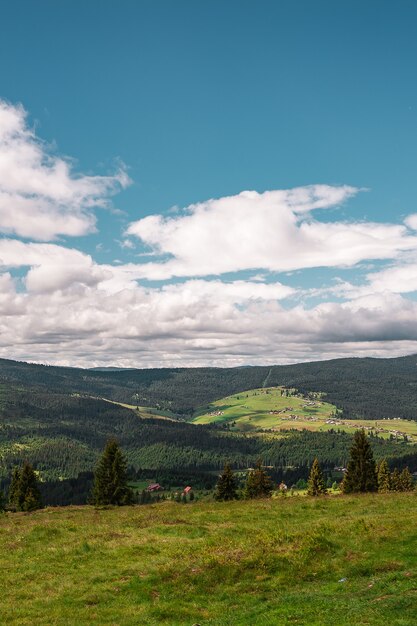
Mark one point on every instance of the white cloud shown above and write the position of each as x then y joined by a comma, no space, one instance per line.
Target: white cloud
97,315
271,231
411,221
40,196
58,305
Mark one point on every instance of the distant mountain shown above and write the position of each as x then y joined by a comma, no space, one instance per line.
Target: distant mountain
59,420
109,369
362,387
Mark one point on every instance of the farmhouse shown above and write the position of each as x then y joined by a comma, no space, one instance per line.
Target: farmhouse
154,487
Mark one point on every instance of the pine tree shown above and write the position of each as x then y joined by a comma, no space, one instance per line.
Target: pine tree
395,480
14,495
361,471
24,494
258,483
316,486
384,477
406,480
226,488
110,479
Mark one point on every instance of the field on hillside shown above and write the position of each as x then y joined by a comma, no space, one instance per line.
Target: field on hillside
261,409
313,562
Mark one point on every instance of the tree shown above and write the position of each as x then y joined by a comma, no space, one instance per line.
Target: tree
226,488
316,486
361,471
14,489
395,480
258,483
406,482
110,478
24,494
384,477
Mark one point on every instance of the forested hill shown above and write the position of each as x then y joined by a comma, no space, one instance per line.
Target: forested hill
362,387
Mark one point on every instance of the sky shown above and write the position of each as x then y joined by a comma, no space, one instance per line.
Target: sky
207,183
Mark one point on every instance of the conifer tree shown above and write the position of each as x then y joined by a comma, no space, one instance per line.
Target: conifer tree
384,477
406,482
361,471
24,494
14,490
316,485
258,483
110,479
226,488
395,480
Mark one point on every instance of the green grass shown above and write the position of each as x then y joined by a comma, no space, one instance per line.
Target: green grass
144,412
250,411
225,564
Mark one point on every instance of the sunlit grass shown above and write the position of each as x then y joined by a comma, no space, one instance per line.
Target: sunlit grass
251,411
340,560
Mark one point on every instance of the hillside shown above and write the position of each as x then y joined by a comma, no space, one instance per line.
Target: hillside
363,388
334,561
60,418
276,409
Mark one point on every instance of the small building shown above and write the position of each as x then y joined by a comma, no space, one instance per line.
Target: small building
187,490
154,487
282,487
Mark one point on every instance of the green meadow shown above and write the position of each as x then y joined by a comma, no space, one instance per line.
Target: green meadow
268,409
289,560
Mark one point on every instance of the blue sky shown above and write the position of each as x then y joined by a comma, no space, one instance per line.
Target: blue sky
177,103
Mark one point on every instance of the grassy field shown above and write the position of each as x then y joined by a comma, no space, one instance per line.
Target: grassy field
332,561
144,412
261,409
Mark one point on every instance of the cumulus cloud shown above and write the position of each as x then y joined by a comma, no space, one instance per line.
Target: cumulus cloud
272,231
40,196
98,316
58,305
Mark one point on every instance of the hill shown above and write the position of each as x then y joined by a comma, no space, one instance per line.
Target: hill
277,409
60,418
363,388
334,561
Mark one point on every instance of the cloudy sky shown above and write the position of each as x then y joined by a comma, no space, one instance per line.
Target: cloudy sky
207,183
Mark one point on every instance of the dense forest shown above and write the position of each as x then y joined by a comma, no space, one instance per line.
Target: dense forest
367,388
56,419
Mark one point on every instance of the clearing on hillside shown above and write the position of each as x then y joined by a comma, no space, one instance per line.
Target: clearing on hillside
277,409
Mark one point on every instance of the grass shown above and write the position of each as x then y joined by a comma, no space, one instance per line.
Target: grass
145,412
313,562
251,411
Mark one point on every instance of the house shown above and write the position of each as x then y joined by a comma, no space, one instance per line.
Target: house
154,487
187,490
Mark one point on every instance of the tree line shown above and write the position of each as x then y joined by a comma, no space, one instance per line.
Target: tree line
110,486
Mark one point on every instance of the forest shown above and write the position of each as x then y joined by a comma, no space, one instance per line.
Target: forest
55,418
361,387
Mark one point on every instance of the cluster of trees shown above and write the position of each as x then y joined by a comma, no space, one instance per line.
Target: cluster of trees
258,484
110,486
393,481
362,475
24,494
